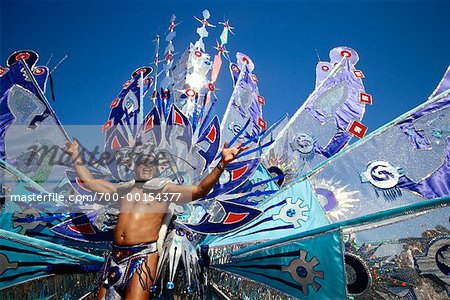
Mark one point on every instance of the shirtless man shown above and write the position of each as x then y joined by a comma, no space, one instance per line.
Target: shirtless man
130,268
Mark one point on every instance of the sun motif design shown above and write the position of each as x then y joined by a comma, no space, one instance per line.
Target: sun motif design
336,200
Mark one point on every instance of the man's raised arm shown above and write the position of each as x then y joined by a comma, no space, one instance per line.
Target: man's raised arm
92,184
195,192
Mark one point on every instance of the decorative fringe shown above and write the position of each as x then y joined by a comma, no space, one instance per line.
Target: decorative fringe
389,195
237,287
64,286
220,255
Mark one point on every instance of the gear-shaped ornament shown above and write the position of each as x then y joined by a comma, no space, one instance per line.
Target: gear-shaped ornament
5,264
27,220
302,271
293,212
261,188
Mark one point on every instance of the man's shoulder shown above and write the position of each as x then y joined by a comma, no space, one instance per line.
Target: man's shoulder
125,186
157,183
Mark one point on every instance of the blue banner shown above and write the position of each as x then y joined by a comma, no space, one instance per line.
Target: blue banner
301,268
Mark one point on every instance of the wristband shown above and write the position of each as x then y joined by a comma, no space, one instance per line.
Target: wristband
220,166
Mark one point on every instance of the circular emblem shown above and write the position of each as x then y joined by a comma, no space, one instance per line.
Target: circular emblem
23,55
303,143
382,174
325,68
290,213
358,275
235,128
198,53
127,83
346,53
140,71
443,259
436,261
190,93
38,71
301,271
211,87
29,161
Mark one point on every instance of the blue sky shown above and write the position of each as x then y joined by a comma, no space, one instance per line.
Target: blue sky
403,46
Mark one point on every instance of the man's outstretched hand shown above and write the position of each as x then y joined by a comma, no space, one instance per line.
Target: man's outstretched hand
229,154
72,148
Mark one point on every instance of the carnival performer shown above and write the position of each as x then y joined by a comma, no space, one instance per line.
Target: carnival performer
130,268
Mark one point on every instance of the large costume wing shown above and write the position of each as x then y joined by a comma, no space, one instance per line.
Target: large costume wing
30,131
327,120
373,217
30,143
364,178
400,254
124,123
25,258
32,167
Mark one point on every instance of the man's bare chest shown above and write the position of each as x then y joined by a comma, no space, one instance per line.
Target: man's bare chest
143,201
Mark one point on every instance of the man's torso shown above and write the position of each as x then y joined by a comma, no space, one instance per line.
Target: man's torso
141,215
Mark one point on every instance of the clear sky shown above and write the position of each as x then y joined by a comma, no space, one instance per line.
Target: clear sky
404,47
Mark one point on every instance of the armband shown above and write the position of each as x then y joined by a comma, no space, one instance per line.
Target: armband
220,166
